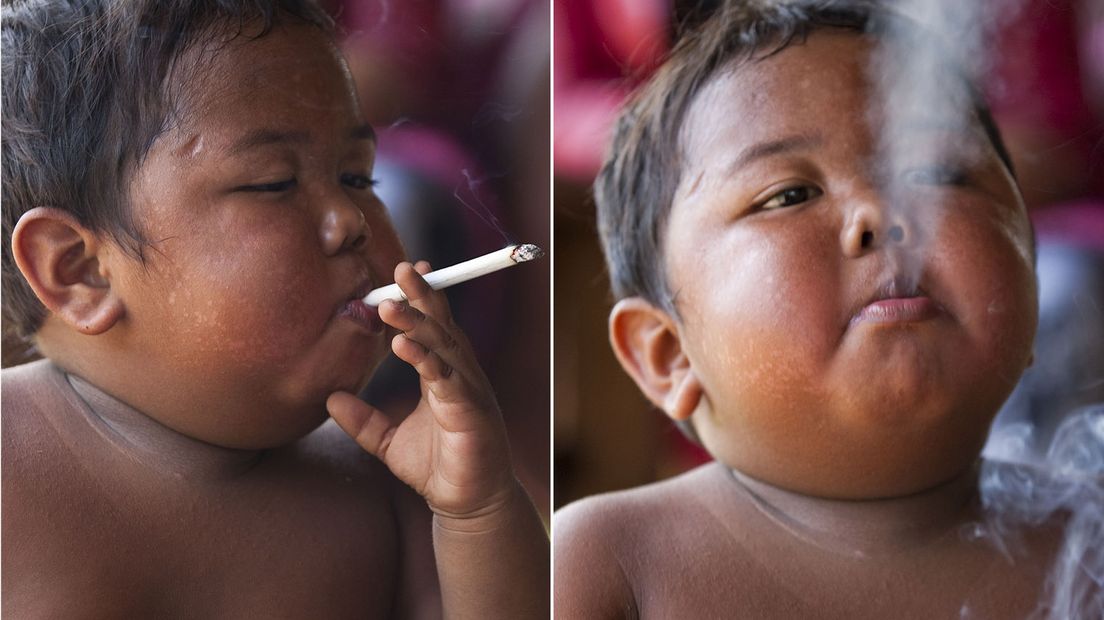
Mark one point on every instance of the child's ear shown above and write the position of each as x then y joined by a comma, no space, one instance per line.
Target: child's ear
647,343
60,259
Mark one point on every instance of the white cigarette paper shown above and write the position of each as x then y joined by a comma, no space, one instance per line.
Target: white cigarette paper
462,272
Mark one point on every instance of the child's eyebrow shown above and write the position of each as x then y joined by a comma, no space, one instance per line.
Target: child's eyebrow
775,147
265,137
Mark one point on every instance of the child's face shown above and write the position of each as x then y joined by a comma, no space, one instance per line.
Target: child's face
781,237
255,204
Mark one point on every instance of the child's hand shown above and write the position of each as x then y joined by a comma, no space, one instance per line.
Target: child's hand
452,448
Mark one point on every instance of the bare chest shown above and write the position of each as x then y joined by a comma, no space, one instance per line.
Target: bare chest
301,548
849,595
758,575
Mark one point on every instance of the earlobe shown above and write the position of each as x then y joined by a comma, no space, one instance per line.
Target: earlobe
686,396
60,259
646,341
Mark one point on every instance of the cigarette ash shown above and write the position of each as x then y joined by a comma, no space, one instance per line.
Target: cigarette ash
525,253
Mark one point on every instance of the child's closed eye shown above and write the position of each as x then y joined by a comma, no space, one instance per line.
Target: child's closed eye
355,181
791,196
937,175
358,181
276,186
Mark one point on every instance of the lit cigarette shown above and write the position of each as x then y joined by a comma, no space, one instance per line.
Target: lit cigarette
462,272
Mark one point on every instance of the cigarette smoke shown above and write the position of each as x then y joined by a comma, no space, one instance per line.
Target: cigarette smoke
1068,483
477,206
921,69
398,122
920,75
495,111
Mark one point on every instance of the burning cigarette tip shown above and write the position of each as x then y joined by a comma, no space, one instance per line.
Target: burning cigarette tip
525,252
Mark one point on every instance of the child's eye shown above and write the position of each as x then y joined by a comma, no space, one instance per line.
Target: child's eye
937,175
278,186
791,196
358,181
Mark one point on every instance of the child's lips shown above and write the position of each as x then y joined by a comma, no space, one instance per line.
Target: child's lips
897,301
897,310
362,314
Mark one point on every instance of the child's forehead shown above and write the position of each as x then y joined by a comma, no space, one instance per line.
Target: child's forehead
803,86
234,63
813,93
283,78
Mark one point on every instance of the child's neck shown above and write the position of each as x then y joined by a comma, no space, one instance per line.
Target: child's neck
871,527
156,446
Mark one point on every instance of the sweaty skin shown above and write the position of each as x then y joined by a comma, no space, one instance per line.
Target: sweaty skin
841,359
800,387
702,546
170,462
110,516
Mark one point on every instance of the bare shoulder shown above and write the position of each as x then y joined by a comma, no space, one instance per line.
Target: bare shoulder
330,447
330,473
636,512
416,589
23,392
32,404
45,490
328,453
331,453
612,549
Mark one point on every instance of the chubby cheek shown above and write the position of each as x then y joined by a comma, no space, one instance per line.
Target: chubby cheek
761,321
261,297
986,263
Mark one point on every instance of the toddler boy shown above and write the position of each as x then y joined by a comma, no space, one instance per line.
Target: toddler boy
189,226
837,327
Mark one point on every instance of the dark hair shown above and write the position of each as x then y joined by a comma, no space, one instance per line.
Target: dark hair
635,188
88,86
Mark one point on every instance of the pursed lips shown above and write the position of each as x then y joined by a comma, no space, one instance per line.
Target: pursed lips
360,313
895,302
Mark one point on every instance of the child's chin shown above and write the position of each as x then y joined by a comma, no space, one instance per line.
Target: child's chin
862,479
280,430
875,461
900,478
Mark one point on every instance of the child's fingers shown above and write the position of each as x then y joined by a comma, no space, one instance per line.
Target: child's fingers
426,317
419,327
430,366
434,350
446,379
431,342
420,294
369,426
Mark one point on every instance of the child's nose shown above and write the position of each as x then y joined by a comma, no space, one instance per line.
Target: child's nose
871,224
342,226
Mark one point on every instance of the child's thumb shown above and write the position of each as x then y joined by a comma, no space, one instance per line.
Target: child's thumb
368,426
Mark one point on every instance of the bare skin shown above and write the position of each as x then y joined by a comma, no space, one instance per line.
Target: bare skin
183,479
702,546
110,515
839,353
